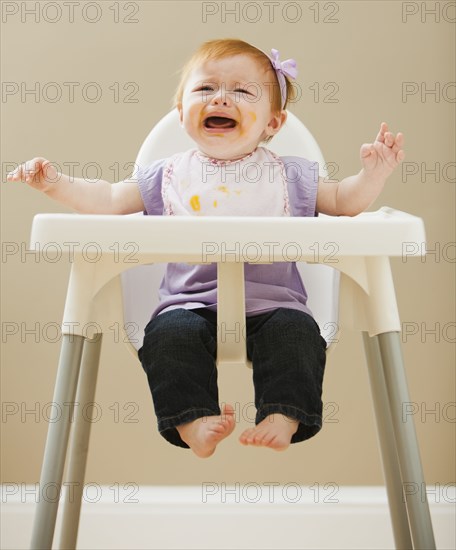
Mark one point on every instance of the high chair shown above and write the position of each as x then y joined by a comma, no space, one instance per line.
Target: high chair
120,286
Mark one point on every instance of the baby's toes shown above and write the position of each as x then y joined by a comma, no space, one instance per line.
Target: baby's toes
247,436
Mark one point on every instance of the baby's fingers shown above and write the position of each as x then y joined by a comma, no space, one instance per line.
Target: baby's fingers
381,134
397,147
398,143
19,174
15,175
394,142
32,168
27,170
389,139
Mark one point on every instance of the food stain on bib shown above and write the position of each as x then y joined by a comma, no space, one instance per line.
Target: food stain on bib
195,203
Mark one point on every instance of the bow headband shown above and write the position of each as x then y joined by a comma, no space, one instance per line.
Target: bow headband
282,69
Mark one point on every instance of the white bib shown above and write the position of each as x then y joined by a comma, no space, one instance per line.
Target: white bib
196,185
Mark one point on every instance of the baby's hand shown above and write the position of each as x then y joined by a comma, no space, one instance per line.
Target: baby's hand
38,173
380,158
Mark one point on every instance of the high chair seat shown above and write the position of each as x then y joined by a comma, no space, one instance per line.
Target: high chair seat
97,296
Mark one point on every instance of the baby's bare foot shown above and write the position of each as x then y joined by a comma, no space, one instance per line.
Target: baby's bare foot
275,432
204,434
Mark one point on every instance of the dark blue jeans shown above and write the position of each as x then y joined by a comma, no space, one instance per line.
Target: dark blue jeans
288,357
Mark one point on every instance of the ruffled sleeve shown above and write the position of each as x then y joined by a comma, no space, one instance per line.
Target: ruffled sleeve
302,178
150,186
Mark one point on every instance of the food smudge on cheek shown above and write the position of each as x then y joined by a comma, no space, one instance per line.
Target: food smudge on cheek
248,123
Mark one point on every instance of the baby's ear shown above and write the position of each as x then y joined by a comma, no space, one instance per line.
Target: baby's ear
277,121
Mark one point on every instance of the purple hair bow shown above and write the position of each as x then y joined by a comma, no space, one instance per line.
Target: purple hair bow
282,69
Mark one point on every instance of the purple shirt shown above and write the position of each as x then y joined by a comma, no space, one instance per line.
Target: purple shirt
267,286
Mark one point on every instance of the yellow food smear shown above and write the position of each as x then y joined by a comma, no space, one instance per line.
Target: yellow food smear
215,204
195,203
222,188
254,117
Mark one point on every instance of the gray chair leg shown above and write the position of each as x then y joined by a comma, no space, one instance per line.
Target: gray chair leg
392,473
57,442
407,443
79,443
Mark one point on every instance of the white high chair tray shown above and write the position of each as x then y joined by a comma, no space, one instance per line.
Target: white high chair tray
380,233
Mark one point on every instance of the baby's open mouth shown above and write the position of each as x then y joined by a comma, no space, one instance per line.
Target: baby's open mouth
219,122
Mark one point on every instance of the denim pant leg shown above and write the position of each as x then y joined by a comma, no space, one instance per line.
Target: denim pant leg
179,358
288,355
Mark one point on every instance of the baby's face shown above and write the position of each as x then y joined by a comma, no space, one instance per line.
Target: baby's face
226,107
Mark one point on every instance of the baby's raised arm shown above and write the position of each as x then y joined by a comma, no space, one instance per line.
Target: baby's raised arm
85,197
354,194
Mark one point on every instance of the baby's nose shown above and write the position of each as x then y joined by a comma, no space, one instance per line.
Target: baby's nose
220,100
222,97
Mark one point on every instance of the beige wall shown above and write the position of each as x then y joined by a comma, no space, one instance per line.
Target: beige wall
370,49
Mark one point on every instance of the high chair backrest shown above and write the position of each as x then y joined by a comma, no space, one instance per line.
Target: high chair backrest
140,285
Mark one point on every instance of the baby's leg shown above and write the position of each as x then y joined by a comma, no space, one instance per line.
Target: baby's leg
178,356
288,356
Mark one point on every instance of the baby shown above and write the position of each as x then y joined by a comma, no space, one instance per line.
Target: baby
232,97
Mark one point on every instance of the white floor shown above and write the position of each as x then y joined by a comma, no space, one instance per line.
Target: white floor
214,516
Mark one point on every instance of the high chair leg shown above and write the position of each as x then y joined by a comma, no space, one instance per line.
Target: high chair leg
414,486
79,443
391,470
57,442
